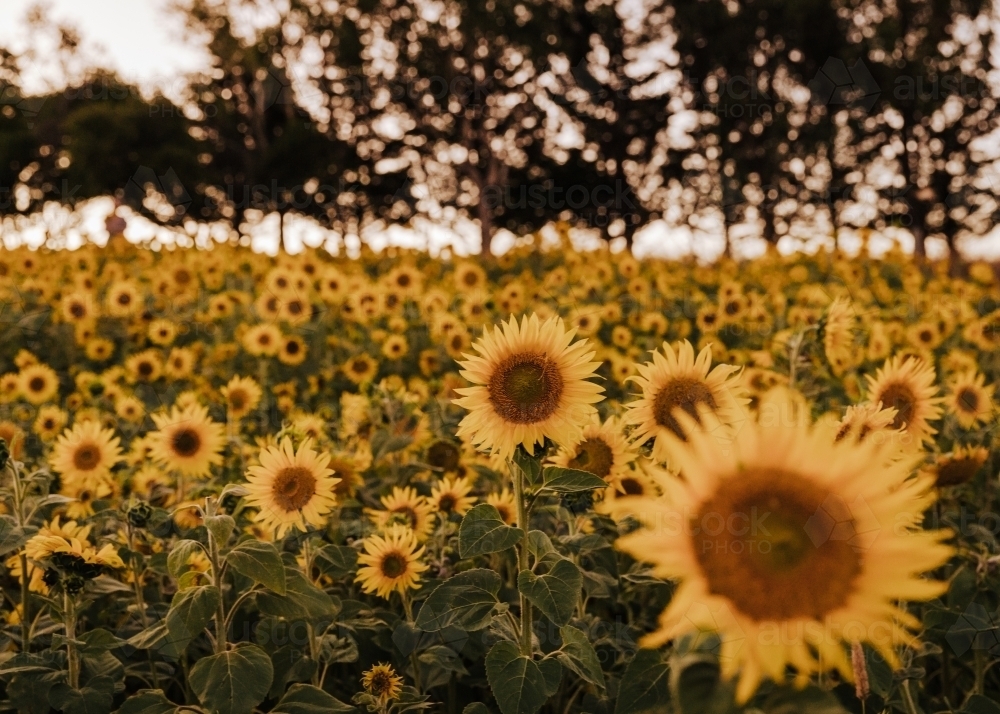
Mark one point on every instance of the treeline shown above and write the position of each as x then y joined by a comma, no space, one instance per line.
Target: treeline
789,118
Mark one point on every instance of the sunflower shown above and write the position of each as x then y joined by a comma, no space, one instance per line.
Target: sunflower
85,452
970,399
162,332
180,363
530,384
360,368
99,349
39,383
291,488
960,466
391,562
641,481
838,335
676,382
262,340
834,549
862,422
78,307
907,385
293,350
130,409
395,347
406,506
123,299
382,682
54,528
49,422
602,450
451,495
242,395
187,440
146,366
83,492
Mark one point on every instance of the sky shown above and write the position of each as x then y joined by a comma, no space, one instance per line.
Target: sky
138,38
145,44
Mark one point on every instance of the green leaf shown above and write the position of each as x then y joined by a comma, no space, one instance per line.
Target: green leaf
484,531
444,657
221,526
516,681
148,701
530,466
539,544
645,684
563,480
464,600
580,656
556,593
696,687
302,599
95,698
190,611
307,699
232,682
259,561
978,704
552,674
28,692
12,536
336,561
476,708
291,664
177,561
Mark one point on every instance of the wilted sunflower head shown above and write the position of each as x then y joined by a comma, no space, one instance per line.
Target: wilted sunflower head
960,466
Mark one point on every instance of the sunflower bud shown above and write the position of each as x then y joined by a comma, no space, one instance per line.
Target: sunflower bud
579,502
73,584
138,514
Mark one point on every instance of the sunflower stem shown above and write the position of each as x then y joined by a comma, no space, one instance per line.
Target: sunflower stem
980,662
522,555
220,613
140,602
22,521
69,618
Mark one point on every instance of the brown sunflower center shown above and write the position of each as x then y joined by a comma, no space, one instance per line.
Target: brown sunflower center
957,471
406,515
292,347
237,399
293,487
632,487
684,393
968,400
773,544
900,397
77,310
393,565
595,456
186,442
86,457
36,384
447,502
145,369
443,455
124,299
526,388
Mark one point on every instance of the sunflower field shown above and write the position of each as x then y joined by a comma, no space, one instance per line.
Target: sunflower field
554,481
